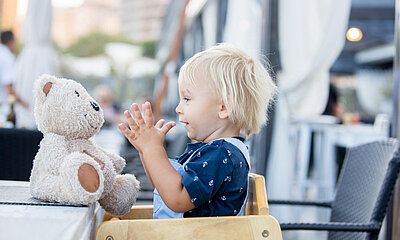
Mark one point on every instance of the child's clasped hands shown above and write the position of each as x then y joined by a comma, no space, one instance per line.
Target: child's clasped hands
143,134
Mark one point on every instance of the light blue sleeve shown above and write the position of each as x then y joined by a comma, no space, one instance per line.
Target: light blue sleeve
160,210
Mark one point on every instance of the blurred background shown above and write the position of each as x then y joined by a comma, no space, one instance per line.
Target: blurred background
333,61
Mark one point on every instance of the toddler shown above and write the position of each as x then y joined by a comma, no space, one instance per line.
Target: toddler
223,93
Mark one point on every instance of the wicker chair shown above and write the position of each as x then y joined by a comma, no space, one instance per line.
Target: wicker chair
363,192
18,148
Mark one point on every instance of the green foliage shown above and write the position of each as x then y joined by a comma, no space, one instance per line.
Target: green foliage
93,43
149,49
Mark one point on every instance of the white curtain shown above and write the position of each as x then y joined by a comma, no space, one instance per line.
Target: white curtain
311,36
209,21
243,26
37,57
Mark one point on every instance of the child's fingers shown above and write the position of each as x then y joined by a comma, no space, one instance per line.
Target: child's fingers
131,122
128,134
160,123
165,129
148,114
137,114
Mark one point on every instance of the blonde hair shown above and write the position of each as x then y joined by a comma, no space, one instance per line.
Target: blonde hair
242,82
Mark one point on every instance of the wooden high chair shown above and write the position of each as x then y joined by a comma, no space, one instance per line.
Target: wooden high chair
138,223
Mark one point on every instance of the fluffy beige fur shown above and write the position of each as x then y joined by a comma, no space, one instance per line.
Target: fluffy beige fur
68,117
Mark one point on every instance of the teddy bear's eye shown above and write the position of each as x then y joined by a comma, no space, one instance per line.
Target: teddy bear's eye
77,94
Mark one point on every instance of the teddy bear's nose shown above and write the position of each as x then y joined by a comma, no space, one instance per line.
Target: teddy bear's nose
95,106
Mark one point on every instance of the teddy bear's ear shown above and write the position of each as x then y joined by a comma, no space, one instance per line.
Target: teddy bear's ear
43,85
47,87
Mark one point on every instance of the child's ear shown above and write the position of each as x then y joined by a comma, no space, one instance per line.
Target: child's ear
223,112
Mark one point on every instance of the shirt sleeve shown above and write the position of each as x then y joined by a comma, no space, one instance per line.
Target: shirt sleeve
8,72
205,172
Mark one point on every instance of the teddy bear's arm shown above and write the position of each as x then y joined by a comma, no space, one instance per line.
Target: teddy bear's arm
119,162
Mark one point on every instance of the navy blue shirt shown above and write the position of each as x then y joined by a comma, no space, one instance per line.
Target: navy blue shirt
215,176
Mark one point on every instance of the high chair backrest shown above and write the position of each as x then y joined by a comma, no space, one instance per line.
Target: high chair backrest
257,203
257,224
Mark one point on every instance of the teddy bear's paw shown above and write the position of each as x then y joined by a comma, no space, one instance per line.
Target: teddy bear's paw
88,178
120,200
85,178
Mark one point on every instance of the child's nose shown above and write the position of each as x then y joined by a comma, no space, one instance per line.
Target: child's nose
178,109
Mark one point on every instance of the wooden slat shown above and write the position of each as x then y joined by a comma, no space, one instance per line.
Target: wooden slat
257,203
139,212
136,212
246,227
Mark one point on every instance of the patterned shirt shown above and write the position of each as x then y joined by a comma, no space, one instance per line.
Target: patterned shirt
215,176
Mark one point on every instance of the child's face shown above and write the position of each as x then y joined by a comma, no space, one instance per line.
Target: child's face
199,109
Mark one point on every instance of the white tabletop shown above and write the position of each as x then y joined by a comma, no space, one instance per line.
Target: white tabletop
20,221
354,135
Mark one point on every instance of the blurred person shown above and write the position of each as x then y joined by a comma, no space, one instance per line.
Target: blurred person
103,95
7,73
333,106
223,93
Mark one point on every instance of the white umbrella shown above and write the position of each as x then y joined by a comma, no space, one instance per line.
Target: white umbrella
37,57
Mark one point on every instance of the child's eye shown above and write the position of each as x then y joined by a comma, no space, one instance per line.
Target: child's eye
186,99
77,94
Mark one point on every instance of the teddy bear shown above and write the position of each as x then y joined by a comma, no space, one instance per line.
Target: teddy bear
69,167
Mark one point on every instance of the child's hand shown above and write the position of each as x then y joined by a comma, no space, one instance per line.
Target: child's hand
144,135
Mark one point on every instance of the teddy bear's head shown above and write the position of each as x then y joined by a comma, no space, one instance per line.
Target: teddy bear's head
64,107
